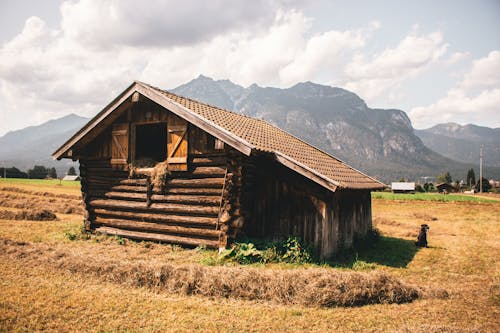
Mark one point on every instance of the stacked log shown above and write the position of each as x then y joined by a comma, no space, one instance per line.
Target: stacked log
183,211
231,220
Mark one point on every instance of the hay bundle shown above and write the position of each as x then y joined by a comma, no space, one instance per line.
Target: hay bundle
160,174
30,215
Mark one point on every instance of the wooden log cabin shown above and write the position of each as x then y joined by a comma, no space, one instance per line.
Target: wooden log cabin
229,175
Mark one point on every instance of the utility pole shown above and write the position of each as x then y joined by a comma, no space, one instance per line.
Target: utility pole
481,170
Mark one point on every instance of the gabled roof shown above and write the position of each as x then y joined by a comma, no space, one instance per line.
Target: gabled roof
245,134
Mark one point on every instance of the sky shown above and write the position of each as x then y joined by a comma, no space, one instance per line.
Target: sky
439,61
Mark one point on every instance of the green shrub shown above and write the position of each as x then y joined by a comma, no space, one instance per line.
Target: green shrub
290,250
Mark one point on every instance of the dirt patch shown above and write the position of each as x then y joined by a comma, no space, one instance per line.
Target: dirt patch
31,215
382,220
425,217
309,287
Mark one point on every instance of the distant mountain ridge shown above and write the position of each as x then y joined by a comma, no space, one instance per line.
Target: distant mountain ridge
380,142
34,145
463,143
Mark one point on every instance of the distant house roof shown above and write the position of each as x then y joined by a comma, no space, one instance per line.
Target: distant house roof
403,186
245,134
68,177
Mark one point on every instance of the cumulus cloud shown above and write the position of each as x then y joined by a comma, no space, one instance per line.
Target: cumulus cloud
321,52
456,57
373,76
160,23
484,72
101,46
476,98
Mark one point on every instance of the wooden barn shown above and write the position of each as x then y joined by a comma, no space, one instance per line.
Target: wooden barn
221,175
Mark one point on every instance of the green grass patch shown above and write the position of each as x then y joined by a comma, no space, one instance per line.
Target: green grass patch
386,251
40,182
429,197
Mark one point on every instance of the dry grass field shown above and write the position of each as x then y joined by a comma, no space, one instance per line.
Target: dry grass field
55,278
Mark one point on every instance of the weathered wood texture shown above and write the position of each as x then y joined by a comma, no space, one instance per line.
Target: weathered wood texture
184,212
284,204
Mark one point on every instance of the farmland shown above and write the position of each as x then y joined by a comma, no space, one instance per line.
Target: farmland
55,278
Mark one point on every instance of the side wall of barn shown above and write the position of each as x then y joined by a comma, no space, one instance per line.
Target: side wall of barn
284,203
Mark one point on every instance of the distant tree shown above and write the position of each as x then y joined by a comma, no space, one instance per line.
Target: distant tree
402,180
429,187
486,185
13,172
38,172
52,173
444,178
72,171
471,177
419,188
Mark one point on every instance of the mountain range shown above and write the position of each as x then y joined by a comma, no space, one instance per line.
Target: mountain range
379,142
34,145
463,143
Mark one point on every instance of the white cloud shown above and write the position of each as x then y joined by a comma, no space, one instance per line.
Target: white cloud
456,58
485,72
102,46
321,53
414,54
475,99
159,23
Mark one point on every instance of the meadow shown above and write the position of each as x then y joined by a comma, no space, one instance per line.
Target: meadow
56,278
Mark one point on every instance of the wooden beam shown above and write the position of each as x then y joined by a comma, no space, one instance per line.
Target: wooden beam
157,237
156,227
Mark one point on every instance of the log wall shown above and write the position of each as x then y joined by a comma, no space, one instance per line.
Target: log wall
185,211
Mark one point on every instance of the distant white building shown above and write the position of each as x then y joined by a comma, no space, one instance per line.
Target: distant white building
72,178
403,187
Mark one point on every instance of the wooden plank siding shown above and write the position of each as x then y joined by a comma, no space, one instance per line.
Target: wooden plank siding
284,204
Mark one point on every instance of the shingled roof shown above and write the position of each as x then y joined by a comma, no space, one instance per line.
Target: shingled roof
252,134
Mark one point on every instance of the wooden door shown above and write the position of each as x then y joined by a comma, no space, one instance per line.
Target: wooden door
177,143
119,144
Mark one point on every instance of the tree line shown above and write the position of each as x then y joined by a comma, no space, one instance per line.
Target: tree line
37,172
469,183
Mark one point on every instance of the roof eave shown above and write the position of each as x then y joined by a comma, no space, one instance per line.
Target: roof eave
306,171
59,153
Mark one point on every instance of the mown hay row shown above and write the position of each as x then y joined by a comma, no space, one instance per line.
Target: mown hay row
58,205
31,215
309,287
40,193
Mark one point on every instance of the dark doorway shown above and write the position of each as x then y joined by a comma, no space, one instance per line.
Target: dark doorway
151,142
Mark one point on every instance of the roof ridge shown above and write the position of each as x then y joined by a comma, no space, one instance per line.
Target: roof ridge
199,102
